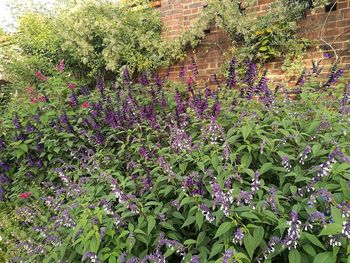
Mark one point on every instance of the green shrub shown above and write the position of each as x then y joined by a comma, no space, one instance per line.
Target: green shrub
134,171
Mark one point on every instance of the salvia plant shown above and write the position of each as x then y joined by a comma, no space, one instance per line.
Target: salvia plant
137,171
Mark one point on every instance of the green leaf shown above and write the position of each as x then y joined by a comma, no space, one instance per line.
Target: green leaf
190,242
94,244
265,167
217,248
223,228
249,244
337,215
313,239
324,257
294,256
199,219
190,220
331,229
151,223
309,249
246,131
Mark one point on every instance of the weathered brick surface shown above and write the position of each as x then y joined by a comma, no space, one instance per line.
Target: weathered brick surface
178,15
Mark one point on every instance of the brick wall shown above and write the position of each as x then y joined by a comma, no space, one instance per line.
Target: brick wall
178,15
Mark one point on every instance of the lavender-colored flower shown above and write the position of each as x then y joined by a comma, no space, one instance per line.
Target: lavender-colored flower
333,76
84,91
4,179
286,164
180,140
216,109
16,122
207,93
213,132
270,248
255,183
166,168
327,55
303,156
251,72
346,228
73,99
30,128
244,197
292,238
271,199
91,256
301,80
143,79
227,256
334,241
162,217
238,237
317,216
195,259
175,203
206,212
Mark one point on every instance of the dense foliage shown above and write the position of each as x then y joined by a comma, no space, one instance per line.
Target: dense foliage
145,171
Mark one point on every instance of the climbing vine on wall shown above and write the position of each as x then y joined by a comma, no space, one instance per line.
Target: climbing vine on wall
272,35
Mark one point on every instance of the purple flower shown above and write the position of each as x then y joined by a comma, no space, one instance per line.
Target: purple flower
227,256
346,228
30,128
333,76
255,183
238,237
270,248
2,145
301,80
143,79
216,109
195,259
73,99
317,216
91,256
327,55
292,238
175,203
206,212
251,72
303,156
286,164
168,170
16,123
244,197
4,179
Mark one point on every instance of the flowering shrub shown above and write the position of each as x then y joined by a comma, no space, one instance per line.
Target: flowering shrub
138,172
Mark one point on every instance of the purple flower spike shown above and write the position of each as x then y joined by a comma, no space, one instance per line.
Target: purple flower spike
195,259
292,238
238,237
16,123
227,256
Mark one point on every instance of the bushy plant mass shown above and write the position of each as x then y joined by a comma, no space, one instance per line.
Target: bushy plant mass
142,170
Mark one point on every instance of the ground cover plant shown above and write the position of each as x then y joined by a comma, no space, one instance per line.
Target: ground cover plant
143,170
